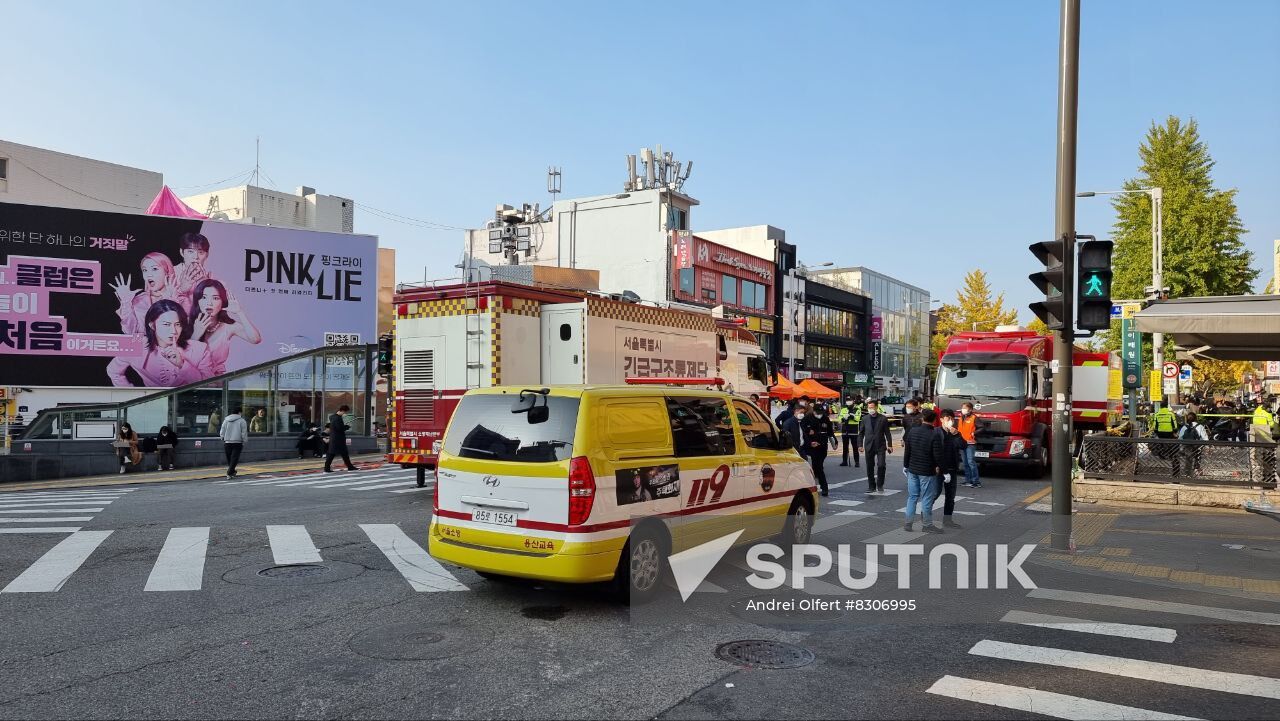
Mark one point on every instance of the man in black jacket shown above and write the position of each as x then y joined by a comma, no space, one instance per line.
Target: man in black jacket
818,432
876,442
338,440
922,456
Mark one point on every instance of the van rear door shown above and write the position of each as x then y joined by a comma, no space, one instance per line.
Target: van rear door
502,471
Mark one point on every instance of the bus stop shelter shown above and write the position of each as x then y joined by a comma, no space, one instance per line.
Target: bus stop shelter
1231,327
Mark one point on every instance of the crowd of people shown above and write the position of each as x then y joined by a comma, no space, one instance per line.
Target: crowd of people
937,448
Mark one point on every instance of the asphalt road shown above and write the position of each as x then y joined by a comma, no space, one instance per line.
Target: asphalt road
137,615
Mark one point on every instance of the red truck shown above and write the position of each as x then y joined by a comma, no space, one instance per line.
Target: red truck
1005,375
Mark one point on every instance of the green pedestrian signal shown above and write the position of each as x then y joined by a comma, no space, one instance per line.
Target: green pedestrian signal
1093,300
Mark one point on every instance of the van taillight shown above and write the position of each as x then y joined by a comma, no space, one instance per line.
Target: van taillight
582,490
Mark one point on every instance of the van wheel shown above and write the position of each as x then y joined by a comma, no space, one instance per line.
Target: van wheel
641,566
422,477
799,525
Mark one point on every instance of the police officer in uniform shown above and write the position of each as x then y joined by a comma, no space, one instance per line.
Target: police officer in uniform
850,419
1165,425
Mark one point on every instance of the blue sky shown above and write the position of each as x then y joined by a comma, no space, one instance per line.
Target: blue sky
916,138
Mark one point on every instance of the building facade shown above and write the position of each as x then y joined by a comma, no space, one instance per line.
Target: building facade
899,338
305,209
35,176
770,244
713,275
837,338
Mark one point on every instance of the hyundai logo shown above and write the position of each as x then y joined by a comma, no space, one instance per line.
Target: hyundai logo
492,481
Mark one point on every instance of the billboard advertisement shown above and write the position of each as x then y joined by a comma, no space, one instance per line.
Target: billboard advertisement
89,298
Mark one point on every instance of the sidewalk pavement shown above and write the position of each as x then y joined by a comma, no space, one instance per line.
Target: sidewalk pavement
1215,550
368,460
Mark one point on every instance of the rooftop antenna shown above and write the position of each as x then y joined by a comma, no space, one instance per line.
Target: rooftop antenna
257,157
553,183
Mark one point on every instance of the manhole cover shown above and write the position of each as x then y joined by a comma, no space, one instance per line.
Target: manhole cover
764,654
418,641
302,574
303,570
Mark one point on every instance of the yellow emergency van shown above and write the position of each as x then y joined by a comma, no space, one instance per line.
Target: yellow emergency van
585,484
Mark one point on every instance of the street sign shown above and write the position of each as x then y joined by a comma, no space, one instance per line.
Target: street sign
1184,374
1273,369
1129,310
1170,386
1170,370
876,356
1154,391
1131,349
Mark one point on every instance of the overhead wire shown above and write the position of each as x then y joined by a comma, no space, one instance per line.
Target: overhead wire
68,187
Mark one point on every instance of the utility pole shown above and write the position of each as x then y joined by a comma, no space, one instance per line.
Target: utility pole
1064,229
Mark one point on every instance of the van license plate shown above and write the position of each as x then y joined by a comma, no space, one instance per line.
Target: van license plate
981,454
498,518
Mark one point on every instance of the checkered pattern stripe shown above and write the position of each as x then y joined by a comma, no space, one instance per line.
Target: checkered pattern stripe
441,308
495,344
521,306
649,315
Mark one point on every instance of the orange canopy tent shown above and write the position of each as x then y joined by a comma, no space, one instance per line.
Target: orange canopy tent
784,389
813,389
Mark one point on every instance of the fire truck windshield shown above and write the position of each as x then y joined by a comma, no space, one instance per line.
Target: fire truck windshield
982,380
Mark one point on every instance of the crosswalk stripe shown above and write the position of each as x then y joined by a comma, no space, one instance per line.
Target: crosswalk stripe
60,497
1045,703
842,484
53,510
1202,678
59,519
363,479
417,566
180,565
50,504
41,529
837,520
842,502
430,485
392,484
52,570
291,545
1064,623
1146,604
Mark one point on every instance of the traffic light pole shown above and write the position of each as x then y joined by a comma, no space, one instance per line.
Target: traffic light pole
1064,229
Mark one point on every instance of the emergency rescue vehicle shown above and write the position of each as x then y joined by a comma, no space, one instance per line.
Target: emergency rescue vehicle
586,484
1006,376
449,339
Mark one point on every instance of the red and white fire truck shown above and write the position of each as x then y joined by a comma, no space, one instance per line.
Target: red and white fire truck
1006,376
452,338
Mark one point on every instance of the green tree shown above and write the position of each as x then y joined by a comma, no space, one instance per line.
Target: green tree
1203,250
1216,376
1038,327
974,309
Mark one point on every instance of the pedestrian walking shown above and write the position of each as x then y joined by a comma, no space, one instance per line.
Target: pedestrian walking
850,419
818,433
876,443
126,445
967,425
794,430
787,412
953,445
234,431
922,457
166,448
338,440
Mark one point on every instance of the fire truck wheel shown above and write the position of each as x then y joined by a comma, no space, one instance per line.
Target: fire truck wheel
422,477
1041,465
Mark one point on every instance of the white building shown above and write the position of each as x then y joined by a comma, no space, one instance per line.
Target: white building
35,176
903,310
263,206
626,236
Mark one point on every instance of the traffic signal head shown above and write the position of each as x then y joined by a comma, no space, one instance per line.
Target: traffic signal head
1093,289
384,354
1051,281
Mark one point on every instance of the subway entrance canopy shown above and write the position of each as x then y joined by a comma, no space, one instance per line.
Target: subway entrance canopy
1229,327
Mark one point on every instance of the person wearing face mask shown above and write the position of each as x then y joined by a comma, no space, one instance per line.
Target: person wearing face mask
953,445
850,419
876,442
794,428
818,432
910,416
967,425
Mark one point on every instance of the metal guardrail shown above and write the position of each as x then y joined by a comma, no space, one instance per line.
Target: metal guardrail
1160,460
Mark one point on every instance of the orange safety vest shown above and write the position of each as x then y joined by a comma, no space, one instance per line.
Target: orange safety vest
968,426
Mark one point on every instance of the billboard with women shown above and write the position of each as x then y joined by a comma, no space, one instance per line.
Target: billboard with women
89,298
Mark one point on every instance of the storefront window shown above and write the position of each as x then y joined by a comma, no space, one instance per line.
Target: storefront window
686,281
729,290
252,395
199,411
748,294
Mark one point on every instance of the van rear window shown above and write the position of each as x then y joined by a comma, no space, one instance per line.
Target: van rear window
483,427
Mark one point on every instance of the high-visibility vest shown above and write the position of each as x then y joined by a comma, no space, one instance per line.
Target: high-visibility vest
927,406
1165,420
1262,417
